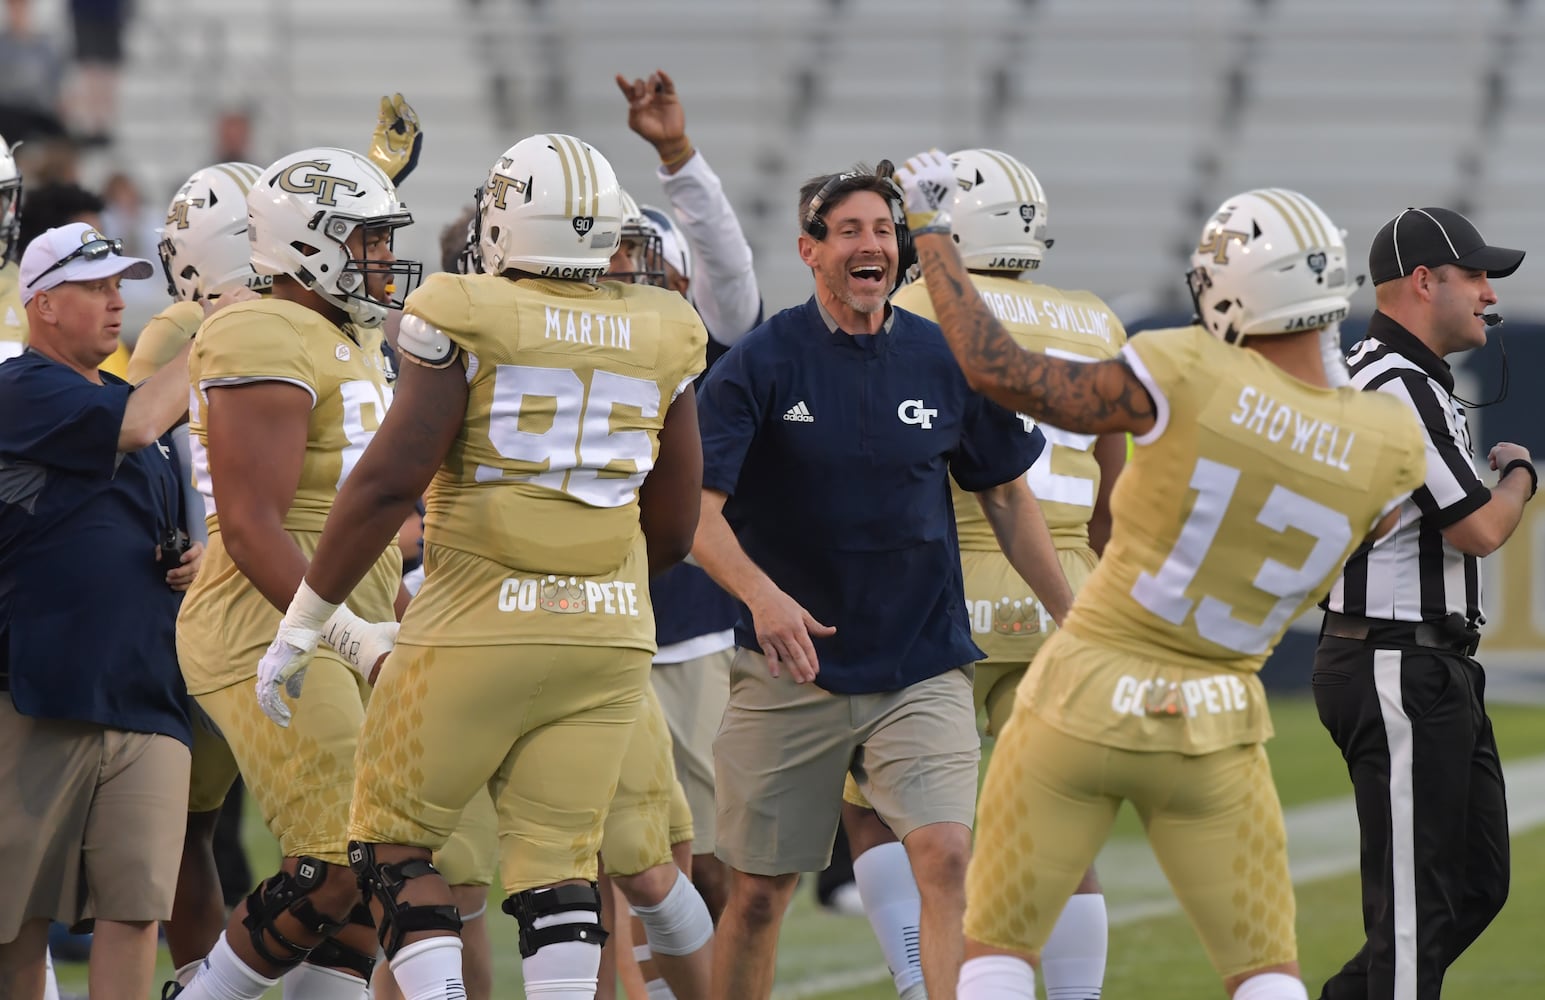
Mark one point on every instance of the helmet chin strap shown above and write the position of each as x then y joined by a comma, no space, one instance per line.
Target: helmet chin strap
362,312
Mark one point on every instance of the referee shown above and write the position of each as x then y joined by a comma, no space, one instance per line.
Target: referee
1394,676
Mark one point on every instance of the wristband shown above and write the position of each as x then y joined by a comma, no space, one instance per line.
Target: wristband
1527,466
676,161
308,610
939,226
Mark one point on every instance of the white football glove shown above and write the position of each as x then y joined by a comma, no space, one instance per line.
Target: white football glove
928,187
311,619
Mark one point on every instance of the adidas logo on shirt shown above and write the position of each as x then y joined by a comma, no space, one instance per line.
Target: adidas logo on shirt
799,413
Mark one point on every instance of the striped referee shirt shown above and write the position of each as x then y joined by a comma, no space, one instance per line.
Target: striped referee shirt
1413,573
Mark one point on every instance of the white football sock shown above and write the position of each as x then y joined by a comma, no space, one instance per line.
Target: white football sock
312,982
996,977
429,970
679,924
894,909
224,976
1272,986
50,981
185,974
1073,961
658,989
568,970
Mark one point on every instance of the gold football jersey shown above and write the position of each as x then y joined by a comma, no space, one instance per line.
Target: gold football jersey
225,623
13,316
1073,325
1234,517
163,337
532,525
341,368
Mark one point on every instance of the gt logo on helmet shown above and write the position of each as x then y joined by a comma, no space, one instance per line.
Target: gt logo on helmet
177,216
1216,242
317,182
499,186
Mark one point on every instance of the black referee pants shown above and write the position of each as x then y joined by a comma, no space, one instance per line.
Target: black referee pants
1412,726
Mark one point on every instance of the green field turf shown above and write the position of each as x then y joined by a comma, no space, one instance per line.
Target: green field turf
1155,959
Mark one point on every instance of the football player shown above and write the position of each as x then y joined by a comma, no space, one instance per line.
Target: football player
998,222
1252,481
556,418
13,318
287,392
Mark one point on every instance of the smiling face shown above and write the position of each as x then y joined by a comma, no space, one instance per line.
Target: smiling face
855,265
1459,296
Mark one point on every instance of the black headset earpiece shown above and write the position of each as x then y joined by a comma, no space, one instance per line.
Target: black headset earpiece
815,226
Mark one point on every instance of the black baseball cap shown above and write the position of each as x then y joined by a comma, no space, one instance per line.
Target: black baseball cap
1432,237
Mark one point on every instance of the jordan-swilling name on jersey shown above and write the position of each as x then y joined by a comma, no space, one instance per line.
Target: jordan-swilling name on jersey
1279,423
1052,313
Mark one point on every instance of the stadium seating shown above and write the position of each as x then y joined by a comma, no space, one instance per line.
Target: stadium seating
1137,115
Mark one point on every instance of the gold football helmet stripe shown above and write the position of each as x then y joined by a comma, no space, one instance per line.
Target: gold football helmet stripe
1317,218
1020,188
1290,216
568,173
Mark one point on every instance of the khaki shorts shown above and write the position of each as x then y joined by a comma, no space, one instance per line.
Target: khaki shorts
1214,822
785,748
544,727
92,822
693,694
214,768
638,824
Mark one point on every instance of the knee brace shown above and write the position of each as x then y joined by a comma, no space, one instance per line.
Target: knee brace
333,955
384,883
287,893
533,904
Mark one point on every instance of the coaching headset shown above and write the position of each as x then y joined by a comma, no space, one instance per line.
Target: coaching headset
815,226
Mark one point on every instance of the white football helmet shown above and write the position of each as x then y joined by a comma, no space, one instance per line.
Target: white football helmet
998,217
10,200
551,207
301,213
204,247
642,243
1269,261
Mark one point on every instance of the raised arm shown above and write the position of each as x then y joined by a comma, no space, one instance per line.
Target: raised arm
1082,397
723,284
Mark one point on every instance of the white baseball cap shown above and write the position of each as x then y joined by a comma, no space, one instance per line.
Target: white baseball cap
75,252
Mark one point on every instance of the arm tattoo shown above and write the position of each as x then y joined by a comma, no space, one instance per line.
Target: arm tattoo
1086,398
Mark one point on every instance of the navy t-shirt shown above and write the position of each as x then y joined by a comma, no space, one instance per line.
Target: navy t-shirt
87,621
835,452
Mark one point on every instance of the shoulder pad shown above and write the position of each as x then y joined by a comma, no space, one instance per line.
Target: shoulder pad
425,342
